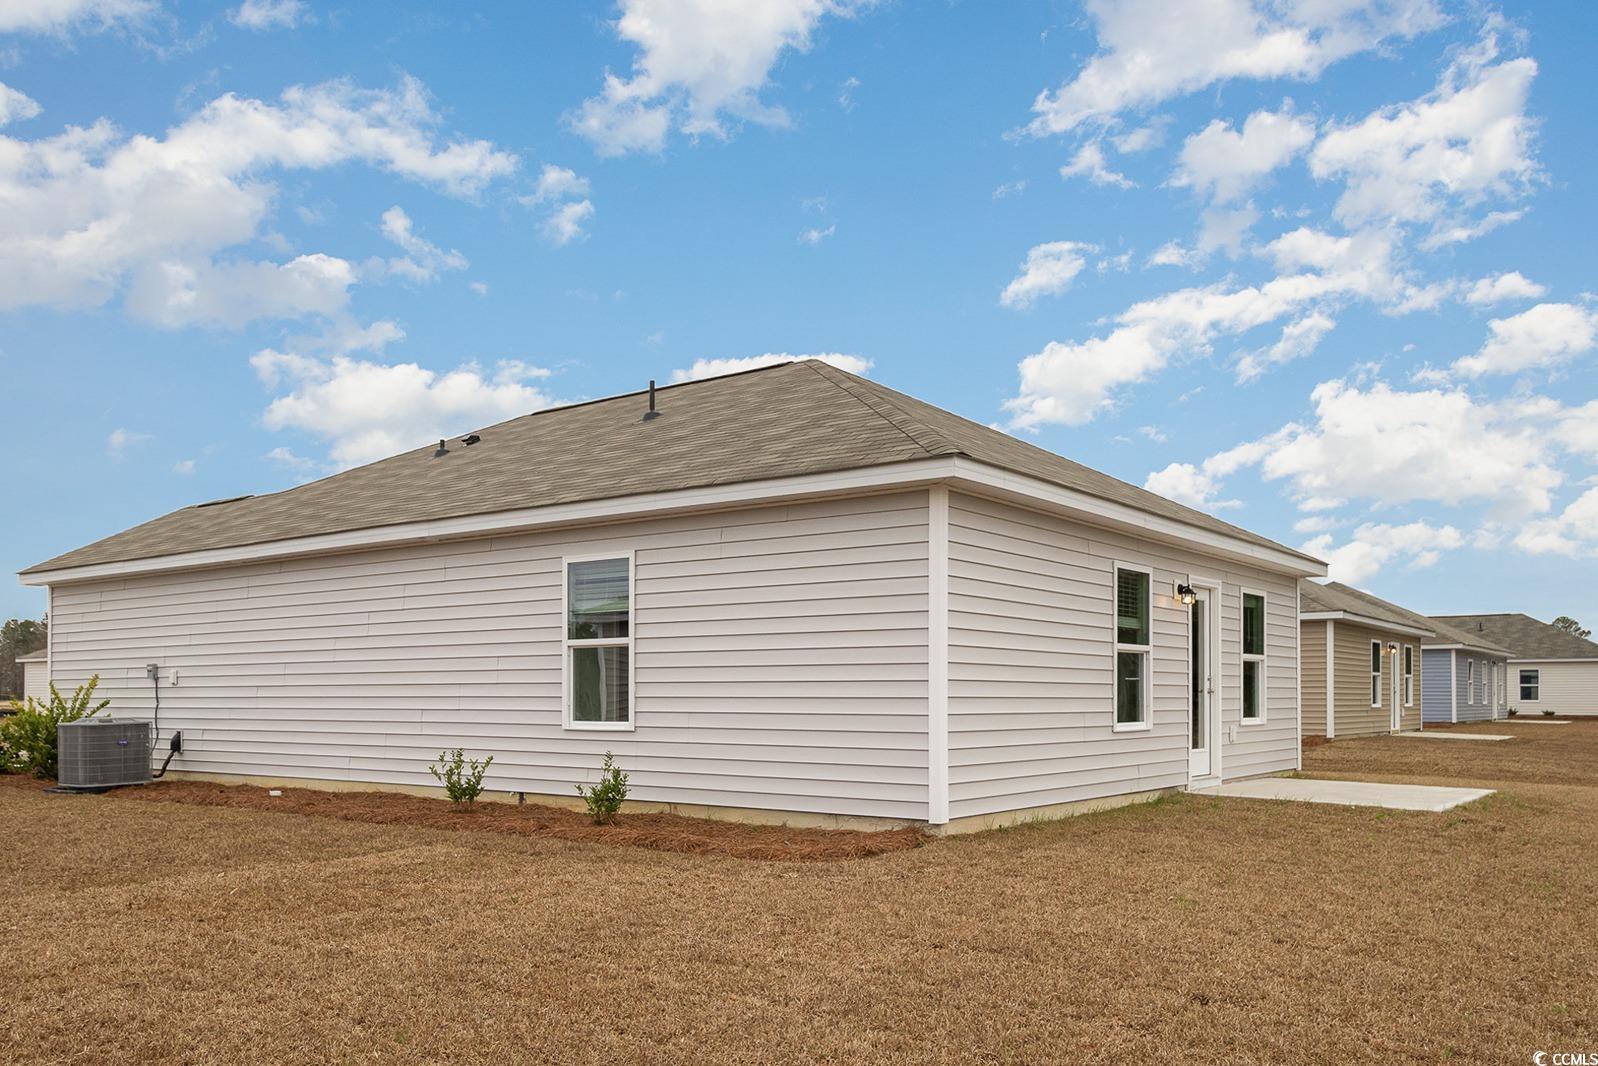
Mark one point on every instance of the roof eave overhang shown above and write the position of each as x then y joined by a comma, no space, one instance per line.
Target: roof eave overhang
1513,658
958,472
1478,649
1364,620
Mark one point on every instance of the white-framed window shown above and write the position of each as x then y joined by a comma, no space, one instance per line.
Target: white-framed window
1470,680
1531,685
1409,675
1376,673
1254,673
597,612
1134,638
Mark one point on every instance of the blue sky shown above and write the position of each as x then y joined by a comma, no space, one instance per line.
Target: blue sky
1323,268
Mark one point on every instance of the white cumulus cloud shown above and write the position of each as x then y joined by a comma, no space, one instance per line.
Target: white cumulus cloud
1432,159
1048,270
270,14
1373,547
1543,336
16,106
711,368
1089,163
366,410
90,206
61,16
1501,287
1153,50
1225,163
701,64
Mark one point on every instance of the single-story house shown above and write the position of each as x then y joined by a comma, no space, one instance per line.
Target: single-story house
35,674
788,594
1362,662
1550,669
1465,676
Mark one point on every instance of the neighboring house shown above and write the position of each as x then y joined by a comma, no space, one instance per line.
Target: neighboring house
1466,675
1362,662
791,592
1549,669
35,674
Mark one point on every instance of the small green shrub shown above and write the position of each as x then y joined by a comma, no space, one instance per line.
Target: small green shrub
27,735
461,777
605,797
1513,711
1548,712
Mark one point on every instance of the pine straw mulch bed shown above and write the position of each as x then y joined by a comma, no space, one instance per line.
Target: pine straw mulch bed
659,832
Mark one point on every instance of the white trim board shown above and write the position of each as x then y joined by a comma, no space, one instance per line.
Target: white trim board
938,655
1364,620
956,472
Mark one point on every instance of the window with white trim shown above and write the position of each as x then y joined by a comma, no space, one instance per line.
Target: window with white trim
1409,675
1133,640
599,643
1254,657
1470,680
1376,673
1531,685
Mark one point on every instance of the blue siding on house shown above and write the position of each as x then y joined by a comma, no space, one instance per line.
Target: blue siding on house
1435,704
1475,699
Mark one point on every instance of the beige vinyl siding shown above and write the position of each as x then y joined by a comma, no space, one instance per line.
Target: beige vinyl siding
780,659
1355,715
1030,663
1566,688
1312,647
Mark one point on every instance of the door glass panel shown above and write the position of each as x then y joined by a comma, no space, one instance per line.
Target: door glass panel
1195,628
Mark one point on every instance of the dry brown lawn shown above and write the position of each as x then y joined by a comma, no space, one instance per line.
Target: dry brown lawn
1196,930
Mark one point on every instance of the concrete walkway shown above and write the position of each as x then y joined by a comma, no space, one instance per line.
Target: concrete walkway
1434,735
1535,721
1352,793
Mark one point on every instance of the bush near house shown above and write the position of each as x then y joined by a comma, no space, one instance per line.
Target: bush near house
461,777
605,797
28,734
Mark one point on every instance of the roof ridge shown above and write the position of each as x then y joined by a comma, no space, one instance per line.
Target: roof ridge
923,437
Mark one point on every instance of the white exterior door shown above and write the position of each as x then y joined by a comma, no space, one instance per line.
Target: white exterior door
1201,717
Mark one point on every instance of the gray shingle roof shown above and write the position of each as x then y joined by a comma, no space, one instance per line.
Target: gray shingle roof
793,418
1525,636
1335,596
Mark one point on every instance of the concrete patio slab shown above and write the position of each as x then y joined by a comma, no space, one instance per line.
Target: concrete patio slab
1352,793
1537,721
1455,736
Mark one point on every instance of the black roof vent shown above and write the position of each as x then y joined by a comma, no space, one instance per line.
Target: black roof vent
651,413
441,450
230,499
470,439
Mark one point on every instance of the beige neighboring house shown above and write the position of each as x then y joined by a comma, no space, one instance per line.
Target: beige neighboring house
35,674
1550,670
790,594
1362,661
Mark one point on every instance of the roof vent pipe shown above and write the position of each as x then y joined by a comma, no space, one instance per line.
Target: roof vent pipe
441,450
651,413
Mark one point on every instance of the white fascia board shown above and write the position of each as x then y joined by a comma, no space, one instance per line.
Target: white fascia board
957,472
1473,649
1365,620
984,480
1593,661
